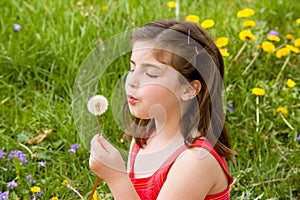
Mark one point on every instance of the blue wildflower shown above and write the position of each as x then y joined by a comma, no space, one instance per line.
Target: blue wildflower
40,193
17,27
230,106
2,153
73,148
4,195
12,184
28,179
298,138
273,32
42,164
18,154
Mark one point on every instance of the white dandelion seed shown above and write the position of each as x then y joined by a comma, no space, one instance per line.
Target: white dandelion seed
97,105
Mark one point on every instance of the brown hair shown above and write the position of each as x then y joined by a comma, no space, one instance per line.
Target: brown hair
194,55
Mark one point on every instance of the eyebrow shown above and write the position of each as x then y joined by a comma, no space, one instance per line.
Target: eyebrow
147,65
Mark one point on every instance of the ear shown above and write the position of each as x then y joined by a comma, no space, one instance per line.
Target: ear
191,90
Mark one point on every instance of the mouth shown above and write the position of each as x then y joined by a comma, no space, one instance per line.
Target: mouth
131,99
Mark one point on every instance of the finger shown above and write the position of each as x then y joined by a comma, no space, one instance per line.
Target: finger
105,144
97,148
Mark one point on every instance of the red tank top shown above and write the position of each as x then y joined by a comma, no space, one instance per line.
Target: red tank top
148,188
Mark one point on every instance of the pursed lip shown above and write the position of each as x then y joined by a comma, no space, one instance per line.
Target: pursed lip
131,99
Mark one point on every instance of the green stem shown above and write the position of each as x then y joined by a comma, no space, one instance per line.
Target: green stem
256,54
240,51
282,69
177,9
257,113
75,191
286,122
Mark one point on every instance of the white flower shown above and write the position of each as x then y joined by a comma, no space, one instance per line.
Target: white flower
97,105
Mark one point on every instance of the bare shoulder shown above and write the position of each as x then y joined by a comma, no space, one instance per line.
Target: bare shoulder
194,174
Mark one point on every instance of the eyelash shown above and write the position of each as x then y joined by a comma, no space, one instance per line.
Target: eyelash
151,76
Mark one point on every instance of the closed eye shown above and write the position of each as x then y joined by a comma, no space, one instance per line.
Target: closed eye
151,76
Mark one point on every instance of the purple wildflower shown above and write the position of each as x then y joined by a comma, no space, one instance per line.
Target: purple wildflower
260,22
18,154
230,106
4,195
42,164
12,184
28,179
273,32
2,153
298,138
17,27
73,148
40,193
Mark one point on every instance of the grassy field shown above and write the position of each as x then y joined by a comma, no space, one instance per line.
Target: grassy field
44,43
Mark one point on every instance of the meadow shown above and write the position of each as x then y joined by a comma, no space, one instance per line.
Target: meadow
43,46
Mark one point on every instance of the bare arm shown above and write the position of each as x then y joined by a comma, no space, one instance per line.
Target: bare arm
107,163
194,174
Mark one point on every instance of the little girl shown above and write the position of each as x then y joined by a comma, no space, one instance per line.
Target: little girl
174,113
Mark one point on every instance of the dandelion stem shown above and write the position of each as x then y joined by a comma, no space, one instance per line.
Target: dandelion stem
99,127
282,69
257,113
256,54
25,147
270,181
286,122
94,189
177,9
240,51
69,186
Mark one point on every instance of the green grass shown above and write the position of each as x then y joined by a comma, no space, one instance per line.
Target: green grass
39,65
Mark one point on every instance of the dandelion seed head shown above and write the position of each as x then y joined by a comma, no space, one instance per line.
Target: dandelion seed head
97,105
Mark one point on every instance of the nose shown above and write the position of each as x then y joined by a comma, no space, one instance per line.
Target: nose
132,80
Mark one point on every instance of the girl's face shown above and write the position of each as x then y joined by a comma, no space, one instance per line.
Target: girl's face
152,88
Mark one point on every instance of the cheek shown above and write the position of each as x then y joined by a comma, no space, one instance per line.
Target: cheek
157,94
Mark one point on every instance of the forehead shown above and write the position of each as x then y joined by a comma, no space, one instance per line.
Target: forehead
142,51
149,52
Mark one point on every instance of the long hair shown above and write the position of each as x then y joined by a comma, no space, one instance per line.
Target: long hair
195,56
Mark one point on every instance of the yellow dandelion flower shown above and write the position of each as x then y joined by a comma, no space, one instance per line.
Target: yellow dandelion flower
247,12
249,23
297,42
221,42
54,198
292,48
282,52
274,38
246,35
289,36
65,182
35,189
281,110
224,53
104,8
79,3
95,196
298,21
192,18
208,23
171,4
258,91
268,47
290,83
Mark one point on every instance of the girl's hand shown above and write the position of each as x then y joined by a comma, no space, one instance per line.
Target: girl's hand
105,160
